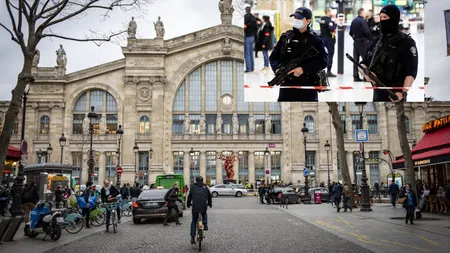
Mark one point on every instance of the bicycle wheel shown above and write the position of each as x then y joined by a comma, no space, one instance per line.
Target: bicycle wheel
114,221
98,217
73,223
200,239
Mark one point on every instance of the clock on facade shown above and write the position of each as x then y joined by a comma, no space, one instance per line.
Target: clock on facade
226,100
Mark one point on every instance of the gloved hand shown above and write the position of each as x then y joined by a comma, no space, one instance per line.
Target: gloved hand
210,205
188,205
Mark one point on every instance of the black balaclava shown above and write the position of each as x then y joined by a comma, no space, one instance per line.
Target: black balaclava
390,26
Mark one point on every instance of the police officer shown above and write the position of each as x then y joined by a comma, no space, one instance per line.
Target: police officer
293,44
392,57
327,31
375,29
359,30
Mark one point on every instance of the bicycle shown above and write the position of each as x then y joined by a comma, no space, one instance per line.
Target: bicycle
112,207
200,235
73,222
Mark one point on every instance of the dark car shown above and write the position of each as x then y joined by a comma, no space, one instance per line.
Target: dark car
151,204
293,197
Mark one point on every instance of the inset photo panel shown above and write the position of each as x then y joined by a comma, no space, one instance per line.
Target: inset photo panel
334,51
437,57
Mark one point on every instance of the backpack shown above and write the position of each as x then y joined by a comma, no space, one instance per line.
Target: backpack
28,196
166,197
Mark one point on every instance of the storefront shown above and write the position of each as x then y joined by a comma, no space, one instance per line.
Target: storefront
431,155
9,168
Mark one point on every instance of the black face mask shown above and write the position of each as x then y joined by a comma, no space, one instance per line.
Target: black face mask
388,26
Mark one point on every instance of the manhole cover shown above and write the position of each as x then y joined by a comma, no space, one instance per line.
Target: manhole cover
423,218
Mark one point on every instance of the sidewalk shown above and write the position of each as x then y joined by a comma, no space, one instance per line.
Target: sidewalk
377,230
23,244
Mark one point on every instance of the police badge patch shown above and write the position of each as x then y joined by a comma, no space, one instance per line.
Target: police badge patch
413,51
330,24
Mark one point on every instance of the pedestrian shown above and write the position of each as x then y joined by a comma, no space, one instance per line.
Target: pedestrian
328,33
337,195
392,57
376,187
393,192
109,194
346,193
265,40
423,198
124,192
261,193
86,210
331,190
376,29
293,44
250,29
171,198
370,19
258,28
409,204
359,30
4,198
30,197
135,192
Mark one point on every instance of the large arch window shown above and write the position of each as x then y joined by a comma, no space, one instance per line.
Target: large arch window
144,125
309,121
201,92
105,106
45,125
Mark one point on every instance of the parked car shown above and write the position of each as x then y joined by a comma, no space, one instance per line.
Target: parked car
293,196
238,186
227,190
150,204
323,190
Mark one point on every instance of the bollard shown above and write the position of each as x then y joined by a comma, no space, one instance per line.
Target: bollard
14,225
4,224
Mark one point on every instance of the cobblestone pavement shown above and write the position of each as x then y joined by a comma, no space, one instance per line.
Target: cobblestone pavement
235,225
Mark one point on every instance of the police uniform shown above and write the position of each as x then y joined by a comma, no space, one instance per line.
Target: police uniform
360,32
327,31
393,56
291,45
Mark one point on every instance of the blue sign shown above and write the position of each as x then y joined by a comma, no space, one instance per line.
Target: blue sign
362,135
305,172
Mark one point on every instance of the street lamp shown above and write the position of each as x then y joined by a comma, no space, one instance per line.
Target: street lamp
91,115
191,154
136,151
62,143
414,144
364,186
119,133
149,163
267,154
49,152
327,148
305,131
391,159
40,155
241,154
17,208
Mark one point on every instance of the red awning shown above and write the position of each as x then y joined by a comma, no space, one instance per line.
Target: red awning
425,155
13,153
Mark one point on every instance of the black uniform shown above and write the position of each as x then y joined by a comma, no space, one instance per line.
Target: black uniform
375,30
292,45
360,32
327,31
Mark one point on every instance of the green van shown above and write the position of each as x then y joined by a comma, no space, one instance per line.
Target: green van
167,180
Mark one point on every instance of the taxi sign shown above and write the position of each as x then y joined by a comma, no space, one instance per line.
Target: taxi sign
160,187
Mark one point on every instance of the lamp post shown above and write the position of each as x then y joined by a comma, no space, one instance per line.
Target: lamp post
136,151
267,154
49,152
414,144
327,148
391,159
39,155
191,154
305,131
62,143
119,133
91,115
364,186
149,162
241,161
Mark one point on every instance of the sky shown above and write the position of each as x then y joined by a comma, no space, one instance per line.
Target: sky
437,63
179,17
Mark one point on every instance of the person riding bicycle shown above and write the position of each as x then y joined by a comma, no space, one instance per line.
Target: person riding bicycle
199,198
109,194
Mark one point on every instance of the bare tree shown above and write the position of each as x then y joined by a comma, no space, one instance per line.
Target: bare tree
81,142
239,8
337,123
32,21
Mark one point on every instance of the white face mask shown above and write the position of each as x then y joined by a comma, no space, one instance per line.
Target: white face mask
298,23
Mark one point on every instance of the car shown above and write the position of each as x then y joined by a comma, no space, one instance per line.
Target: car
151,204
227,190
293,196
238,186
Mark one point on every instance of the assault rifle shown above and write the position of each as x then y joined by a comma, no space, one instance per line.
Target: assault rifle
368,73
282,74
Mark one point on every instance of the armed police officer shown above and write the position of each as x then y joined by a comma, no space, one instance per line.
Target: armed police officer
299,43
392,57
327,31
360,32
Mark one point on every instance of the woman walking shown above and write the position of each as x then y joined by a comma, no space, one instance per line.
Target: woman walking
171,198
410,204
265,40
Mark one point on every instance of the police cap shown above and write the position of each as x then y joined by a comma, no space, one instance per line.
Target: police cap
301,13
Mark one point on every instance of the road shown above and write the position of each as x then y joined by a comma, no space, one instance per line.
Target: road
235,225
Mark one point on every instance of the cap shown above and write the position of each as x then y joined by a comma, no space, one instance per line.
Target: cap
247,6
301,13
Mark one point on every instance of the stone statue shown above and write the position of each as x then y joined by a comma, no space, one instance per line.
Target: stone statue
102,125
203,125
132,27
36,58
251,124
187,125
226,7
219,123
235,124
226,46
61,58
159,28
268,124
86,122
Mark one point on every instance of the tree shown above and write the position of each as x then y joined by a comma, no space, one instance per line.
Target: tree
81,142
337,123
32,21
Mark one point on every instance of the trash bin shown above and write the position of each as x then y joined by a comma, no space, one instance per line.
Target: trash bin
317,197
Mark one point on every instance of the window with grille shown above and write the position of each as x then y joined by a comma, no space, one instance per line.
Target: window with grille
374,168
80,105
260,122
96,100
243,161
242,106
177,124
259,160
178,106
211,123
356,123
276,123
275,160
16,126
78,123
144,125
259,106
243,123
311,160
195,123
372,120
143,167
45,125
111,123
227,124
226,75
195,91
309,121
274,107
343,123
178,162
111,163
195,161
211,161
77,163
111,105
211,86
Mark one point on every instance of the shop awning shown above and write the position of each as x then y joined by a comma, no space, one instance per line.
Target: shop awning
13,153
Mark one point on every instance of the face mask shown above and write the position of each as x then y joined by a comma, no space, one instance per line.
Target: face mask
388,26
298,23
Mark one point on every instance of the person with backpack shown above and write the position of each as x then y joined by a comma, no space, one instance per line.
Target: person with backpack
30,197
171,197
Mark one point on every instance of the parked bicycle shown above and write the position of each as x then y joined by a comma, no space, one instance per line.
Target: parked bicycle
73,221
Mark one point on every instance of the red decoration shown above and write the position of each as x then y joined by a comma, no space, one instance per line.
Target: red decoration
228,164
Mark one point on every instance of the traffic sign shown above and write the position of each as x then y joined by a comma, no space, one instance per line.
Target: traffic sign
305,172
24,147
119,170
362,135
267,172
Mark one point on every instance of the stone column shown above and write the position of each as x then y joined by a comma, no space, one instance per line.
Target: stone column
101,167
158,126
268,167
219,168
128,111
236,166
186,168
251,167
203,164
56,129
84,172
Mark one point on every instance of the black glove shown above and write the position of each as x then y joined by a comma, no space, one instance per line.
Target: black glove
210,205
189,205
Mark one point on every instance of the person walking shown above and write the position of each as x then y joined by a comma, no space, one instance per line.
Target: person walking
87,209
393,192
346,194
265,40
135,192
376,187
171,198
250,29
261,193
410,204
360,32
30,197
337,195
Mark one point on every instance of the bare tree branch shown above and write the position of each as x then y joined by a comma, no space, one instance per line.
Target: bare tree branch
83,40
19,34
11,33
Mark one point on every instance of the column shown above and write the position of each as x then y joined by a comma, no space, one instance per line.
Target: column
203,164
158,127
84,172
101,167
269,168
236,166
186,168
56,129
251,167
219,168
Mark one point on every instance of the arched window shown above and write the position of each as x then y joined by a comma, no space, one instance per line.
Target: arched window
309,121
144,125
105,106
16,126
45,125
407,123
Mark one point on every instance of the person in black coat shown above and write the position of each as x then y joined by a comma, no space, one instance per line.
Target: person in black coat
199,198
409,204
337,191
108,195
261,193
172,198
265,40
87,210
258,27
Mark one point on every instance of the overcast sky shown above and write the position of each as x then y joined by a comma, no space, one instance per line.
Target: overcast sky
437,63
179,16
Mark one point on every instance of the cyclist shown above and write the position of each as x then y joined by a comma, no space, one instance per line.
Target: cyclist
199,198
109,194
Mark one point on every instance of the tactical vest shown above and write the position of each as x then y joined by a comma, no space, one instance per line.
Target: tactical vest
325,31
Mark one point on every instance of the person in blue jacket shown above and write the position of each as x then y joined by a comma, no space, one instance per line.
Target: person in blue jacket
410,204
87,209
